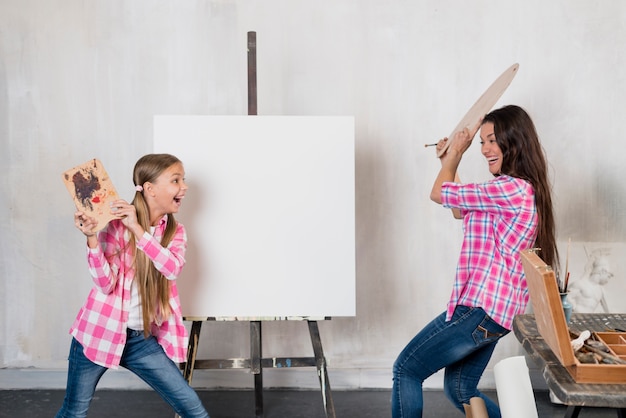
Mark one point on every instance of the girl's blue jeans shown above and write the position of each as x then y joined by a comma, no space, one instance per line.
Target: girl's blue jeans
463,346
145,358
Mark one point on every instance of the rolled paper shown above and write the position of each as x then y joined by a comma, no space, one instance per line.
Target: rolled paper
515,392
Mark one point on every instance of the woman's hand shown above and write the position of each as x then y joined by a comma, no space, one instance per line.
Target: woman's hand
441,144
462,140
455,149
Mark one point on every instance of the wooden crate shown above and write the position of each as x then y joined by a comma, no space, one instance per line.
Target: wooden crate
546,303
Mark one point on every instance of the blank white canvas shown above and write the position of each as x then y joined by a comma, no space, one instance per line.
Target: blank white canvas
269,213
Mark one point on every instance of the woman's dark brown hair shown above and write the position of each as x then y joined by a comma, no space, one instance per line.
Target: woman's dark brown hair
523,157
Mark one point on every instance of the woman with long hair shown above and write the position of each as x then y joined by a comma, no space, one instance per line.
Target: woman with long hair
502,216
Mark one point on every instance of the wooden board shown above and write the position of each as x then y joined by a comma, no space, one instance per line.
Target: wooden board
550,318
544,296
483,104
92,190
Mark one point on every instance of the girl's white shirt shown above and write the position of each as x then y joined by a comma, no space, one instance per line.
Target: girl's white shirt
135,317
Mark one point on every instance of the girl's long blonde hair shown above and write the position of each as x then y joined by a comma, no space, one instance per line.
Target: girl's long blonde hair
153,287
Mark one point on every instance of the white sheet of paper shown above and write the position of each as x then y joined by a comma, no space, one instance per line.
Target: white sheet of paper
269,213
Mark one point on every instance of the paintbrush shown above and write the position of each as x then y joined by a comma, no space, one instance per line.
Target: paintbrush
569,241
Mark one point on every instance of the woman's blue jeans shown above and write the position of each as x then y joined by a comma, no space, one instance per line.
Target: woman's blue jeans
142,356
463,346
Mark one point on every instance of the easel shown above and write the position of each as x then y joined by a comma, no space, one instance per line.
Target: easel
256,362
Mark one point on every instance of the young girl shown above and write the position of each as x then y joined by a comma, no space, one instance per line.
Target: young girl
501,217
132,317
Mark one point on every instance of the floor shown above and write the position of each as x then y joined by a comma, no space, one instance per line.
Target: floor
240,404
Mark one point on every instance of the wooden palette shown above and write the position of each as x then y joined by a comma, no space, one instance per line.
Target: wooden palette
483,104
92,190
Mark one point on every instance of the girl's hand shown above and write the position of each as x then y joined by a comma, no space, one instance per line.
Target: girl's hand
85,224
128,214
124,211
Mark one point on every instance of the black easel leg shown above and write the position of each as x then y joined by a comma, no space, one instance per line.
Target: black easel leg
621,412
256,367
252,90
572,411
322,372
192,350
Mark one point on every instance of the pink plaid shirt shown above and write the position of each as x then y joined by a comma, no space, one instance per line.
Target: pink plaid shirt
100,325
499,220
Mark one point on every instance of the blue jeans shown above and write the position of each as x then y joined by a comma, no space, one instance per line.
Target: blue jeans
142,356
462,345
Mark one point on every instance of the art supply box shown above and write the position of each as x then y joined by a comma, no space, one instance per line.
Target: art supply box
548,310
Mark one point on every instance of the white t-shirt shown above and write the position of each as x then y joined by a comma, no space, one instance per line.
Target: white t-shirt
135,317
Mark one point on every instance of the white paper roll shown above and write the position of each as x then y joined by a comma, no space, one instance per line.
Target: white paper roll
515,392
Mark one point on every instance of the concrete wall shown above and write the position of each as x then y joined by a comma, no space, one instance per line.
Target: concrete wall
82,79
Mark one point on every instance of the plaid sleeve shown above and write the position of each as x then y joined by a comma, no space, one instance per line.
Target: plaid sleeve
500,195
168,260
103,261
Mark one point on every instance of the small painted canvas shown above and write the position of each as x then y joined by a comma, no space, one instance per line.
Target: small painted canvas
92,190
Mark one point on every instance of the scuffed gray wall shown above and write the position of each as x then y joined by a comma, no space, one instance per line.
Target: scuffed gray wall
83,79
